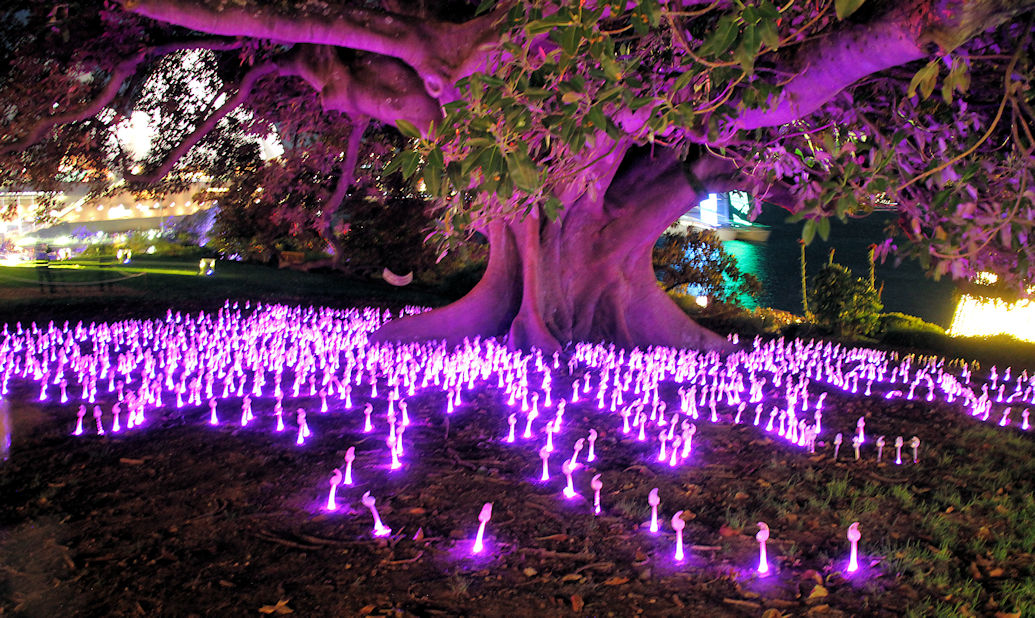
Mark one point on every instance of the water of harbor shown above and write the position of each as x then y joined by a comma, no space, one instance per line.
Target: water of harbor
777,265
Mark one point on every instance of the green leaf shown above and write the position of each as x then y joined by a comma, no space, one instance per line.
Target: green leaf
769,34
844,8
958,79
808,231
409,163
433,181
823,227
408,129
721,39
924,79
523,171
747,50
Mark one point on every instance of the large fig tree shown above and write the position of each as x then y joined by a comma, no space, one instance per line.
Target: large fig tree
569,133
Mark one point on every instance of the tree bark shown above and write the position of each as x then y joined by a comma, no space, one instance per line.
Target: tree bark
585,277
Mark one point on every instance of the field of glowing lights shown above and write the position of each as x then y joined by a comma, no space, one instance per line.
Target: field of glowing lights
268,458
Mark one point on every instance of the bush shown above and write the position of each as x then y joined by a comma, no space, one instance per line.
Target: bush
844,304
900,322
698,260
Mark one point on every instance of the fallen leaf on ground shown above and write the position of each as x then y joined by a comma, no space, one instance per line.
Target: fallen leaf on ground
616,581
577,603
280,608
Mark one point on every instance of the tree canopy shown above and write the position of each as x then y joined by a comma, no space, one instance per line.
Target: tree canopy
533,117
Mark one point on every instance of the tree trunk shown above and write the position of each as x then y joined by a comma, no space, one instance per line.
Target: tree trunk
585,277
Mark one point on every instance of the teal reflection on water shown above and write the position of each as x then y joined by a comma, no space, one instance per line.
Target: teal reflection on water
751,259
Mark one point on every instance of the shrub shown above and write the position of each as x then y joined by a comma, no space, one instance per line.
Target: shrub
698,259
843,303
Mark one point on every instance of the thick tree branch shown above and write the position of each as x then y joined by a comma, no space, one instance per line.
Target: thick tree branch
373,86
348,175
902,35
436,50
244,89
122,71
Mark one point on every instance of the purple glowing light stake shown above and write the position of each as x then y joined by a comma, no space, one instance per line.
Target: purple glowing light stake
861,428
391,441
591,456
914,443
97,417
575,455
213,419
483,518
677,525
528,425
853,538
544,454
837,444
653,500
350,456
898,451
303,427
379,528
367,425
512,421
79,420
596,485
332,505
1024,420
569,489
115,409
762,536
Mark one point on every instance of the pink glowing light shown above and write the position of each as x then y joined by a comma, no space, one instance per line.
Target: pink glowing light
483,518
335,481
762,536
303,427
861,427
350,456
396,464
591,456
1024,420
569,489
880,447
677,525
97,417
837,444
914,443
663,438
653,500
853,537
575,455
367,425
596,485
404,413
379,528
544,454
115,409
278,411
528,425
79,420
898,451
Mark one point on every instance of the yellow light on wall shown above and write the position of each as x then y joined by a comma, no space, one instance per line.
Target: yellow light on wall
981,317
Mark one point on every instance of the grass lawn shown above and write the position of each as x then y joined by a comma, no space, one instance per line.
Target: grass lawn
180,517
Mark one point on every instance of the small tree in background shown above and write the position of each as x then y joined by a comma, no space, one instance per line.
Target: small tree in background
699,259
845,304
